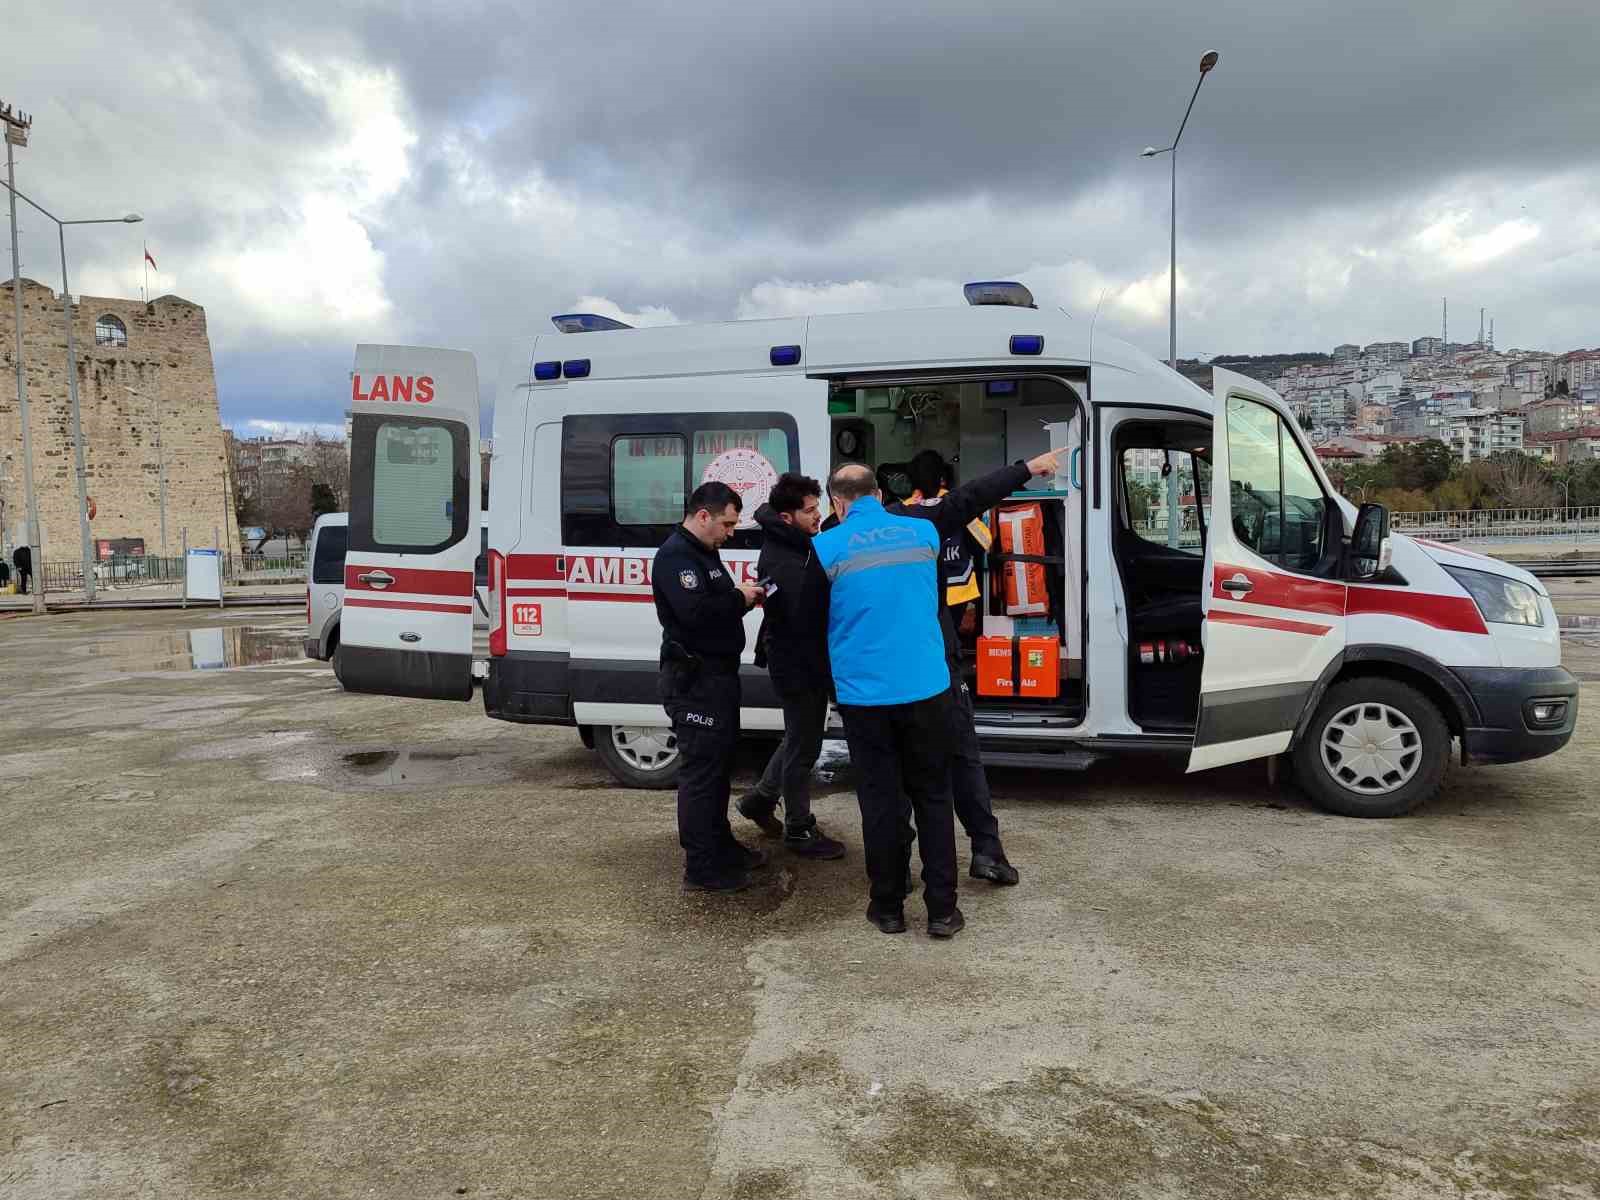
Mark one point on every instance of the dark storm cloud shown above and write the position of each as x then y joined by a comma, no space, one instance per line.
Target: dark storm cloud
802,116
1345,165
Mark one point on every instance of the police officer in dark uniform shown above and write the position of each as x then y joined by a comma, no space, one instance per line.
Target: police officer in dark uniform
701,610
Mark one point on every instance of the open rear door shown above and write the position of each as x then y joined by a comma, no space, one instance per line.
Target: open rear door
1274,605
414,523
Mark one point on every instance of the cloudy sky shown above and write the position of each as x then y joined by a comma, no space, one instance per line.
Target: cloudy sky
317,174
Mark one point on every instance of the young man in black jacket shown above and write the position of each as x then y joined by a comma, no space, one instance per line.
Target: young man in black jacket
793,643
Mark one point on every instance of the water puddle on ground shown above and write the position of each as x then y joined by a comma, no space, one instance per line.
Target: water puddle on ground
399,768
212,648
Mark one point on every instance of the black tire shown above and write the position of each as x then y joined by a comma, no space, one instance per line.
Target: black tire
336,658
612,744
1326,777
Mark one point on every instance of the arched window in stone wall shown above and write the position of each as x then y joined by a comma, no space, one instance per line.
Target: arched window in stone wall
110,331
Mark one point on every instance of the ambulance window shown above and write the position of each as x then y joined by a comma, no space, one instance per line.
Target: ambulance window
747,460
647,479
409,481
1278,508
1146,473
625,477
1304,508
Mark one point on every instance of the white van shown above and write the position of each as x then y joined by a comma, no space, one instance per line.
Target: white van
325,583
1270,618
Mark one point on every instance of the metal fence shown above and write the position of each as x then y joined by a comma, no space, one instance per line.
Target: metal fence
154,570
1502,524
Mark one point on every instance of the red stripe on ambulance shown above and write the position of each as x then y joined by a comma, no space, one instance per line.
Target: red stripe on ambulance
412,580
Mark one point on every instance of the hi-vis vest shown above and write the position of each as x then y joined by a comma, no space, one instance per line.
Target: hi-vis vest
957,567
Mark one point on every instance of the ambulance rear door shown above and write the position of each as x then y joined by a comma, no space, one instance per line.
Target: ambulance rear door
414,523
1272,593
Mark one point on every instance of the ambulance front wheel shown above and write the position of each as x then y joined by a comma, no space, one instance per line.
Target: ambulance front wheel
641,756
1375,748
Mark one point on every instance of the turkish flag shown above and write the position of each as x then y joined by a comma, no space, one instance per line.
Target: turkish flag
150,260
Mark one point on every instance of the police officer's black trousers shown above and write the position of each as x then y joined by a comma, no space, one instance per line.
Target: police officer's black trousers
901,756
969,783
704,707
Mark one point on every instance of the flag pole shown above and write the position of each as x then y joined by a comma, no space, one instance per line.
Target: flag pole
145,294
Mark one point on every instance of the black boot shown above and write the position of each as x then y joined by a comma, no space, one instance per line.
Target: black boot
948,925
810,842
727,879
994,868
762,810
887,921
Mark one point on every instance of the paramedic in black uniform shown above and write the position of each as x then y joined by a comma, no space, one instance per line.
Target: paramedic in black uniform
702,610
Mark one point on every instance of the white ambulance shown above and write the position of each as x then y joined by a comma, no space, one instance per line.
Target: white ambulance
1209,595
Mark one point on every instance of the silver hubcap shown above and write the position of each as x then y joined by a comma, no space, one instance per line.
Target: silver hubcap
1371,748
644,747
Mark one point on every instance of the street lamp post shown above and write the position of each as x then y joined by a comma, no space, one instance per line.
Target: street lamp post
161,461
16,134
1206,63
87,542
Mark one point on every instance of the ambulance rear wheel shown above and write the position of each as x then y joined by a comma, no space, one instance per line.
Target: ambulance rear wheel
1375,748
641,756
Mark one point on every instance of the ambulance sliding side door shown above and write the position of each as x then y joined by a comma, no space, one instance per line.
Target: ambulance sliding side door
414,523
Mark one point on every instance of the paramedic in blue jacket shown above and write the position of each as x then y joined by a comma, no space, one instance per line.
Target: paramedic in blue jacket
893,688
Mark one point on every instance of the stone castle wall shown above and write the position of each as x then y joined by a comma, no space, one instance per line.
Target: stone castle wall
167,360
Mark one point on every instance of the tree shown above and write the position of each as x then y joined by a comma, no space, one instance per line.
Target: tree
328,460
1419,466
283,503
323,501
1517,480
1561,388
1141,498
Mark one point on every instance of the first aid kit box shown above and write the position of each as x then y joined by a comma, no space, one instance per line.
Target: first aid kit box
995,667
1039,667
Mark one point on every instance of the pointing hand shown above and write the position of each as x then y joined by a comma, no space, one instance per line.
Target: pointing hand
1048,463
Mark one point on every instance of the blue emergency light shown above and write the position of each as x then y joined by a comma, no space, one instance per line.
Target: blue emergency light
585,323
546,371
785,356
1027,343
575,368
1001,387
999,291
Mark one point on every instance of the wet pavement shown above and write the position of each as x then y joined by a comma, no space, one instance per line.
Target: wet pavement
262,937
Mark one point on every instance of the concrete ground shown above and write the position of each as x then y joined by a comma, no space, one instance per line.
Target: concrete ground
264,938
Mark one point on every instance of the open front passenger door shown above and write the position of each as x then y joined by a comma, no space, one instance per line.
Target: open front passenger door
1273,601
414,520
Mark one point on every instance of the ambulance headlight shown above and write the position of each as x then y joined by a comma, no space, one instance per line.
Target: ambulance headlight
1501,600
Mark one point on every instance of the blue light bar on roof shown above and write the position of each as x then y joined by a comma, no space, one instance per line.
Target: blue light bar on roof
999,292
785,356
585,323
575,368
1027,343
546,371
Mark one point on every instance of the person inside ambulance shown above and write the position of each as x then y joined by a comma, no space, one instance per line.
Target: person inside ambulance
957,515
701,610
793,646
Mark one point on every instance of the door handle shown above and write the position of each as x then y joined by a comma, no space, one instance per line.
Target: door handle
1238,585
376,579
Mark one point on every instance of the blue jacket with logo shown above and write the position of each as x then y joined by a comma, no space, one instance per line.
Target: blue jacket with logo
883,607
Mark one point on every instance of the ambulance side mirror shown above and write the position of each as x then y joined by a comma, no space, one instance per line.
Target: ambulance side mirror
1371,551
